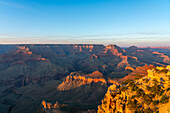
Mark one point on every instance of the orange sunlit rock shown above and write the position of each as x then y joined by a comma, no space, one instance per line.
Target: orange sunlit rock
72,82
44,104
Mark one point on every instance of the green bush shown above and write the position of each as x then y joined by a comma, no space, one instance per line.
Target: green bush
133,105
164,99
151,95
126,81
155,81
104,102
161,92
138,76
148,88
161,71
131,83
146,80
155,102
156,90
148,111
134,88
157,70
155,110
147,99
139,92
133,96
123,88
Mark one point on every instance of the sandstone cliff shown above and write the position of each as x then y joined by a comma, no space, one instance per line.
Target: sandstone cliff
76,79
150,94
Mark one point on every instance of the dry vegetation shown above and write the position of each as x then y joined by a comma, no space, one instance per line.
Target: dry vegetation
148,94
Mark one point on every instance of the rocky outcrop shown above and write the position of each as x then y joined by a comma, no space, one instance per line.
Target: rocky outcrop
51,108
153,57
148,94
76,79
166,59
56,108
114,49
142,70
139,71
95,74
20,55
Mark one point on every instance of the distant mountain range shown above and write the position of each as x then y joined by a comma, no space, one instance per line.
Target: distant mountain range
35,72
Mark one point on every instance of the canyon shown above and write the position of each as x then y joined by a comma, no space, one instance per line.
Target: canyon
76,75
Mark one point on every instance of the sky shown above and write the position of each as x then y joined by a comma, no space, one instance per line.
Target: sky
121,22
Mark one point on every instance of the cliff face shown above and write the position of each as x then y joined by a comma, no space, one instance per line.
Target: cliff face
148,94
153,57
20,55
76,80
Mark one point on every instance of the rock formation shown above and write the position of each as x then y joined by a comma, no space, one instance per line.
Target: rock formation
150,94
51,108
76,79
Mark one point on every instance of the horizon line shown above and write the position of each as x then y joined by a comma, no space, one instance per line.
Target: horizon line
163,47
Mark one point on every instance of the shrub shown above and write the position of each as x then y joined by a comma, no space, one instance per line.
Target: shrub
139,92
157,70
148,88
151,95
104,102
167,89
131,83
133,96
155,81
126,82
163,71
147,99
156,90
164,99
155,102
138,76
148,111
155,110
146,80
123,88
133,105
161,92
134,88
120,98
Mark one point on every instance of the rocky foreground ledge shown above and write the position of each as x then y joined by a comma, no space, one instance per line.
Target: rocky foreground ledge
150,94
